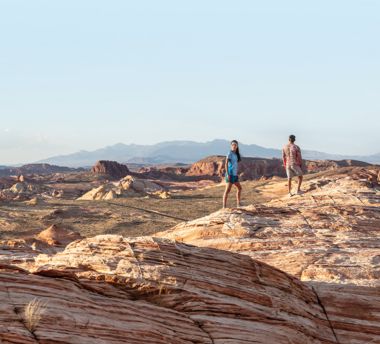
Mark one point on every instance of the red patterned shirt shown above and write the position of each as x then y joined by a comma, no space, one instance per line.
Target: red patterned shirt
291,155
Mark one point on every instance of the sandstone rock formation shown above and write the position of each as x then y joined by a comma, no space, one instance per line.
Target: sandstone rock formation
111,169
20,191
33,201
139,185
328,165
58,236
127,187
102,192
256,168
353,311
331,233
168,172
111,289
250,168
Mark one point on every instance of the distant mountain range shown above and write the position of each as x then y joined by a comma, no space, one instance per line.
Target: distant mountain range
181,152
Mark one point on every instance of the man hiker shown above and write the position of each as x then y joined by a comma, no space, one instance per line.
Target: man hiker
292,158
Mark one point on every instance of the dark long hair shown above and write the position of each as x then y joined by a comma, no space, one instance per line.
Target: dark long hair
237,149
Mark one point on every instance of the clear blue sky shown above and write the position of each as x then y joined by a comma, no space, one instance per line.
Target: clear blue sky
82,74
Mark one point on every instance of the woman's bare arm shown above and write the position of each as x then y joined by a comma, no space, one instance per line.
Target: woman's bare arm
226,167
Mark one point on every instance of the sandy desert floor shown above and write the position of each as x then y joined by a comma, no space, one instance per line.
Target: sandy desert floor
135,216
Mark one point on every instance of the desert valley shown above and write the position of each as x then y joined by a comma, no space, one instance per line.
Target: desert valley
145,254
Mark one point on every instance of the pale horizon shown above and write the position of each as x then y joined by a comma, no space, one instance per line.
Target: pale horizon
187,140
85,75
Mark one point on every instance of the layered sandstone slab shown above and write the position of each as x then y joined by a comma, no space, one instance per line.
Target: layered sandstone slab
328,237
77,314
353,311
110,289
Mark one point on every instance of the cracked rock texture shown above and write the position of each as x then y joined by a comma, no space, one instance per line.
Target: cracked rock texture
328,237
331,233
134,290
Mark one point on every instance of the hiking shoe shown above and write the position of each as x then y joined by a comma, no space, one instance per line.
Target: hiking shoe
300,192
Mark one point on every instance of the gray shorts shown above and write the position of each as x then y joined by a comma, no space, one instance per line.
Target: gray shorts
293,171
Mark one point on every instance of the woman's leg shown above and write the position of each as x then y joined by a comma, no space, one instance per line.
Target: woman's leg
226,192
238,194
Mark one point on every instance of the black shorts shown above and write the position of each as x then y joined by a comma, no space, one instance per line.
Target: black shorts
232,179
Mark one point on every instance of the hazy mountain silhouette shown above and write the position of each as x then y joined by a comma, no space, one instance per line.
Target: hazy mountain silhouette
181,151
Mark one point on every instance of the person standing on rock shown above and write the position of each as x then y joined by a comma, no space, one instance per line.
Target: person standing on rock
232,178
292,158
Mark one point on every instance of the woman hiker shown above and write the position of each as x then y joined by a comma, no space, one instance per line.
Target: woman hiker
232,161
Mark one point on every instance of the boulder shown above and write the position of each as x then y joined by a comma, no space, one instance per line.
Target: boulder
97,193
32,202
58,236
127,187
19,187
142,186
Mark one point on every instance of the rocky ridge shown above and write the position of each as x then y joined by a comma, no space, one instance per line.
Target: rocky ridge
330,233
256,168
40,169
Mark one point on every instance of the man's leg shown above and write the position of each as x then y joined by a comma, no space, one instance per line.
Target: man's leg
290,186
226,192
238,194
300,178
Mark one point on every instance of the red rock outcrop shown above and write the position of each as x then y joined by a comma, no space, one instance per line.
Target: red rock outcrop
111,169
250,168
6,182
255,168
327,165
163,173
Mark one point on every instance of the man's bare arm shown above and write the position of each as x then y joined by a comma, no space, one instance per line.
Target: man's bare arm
299,156
284,157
